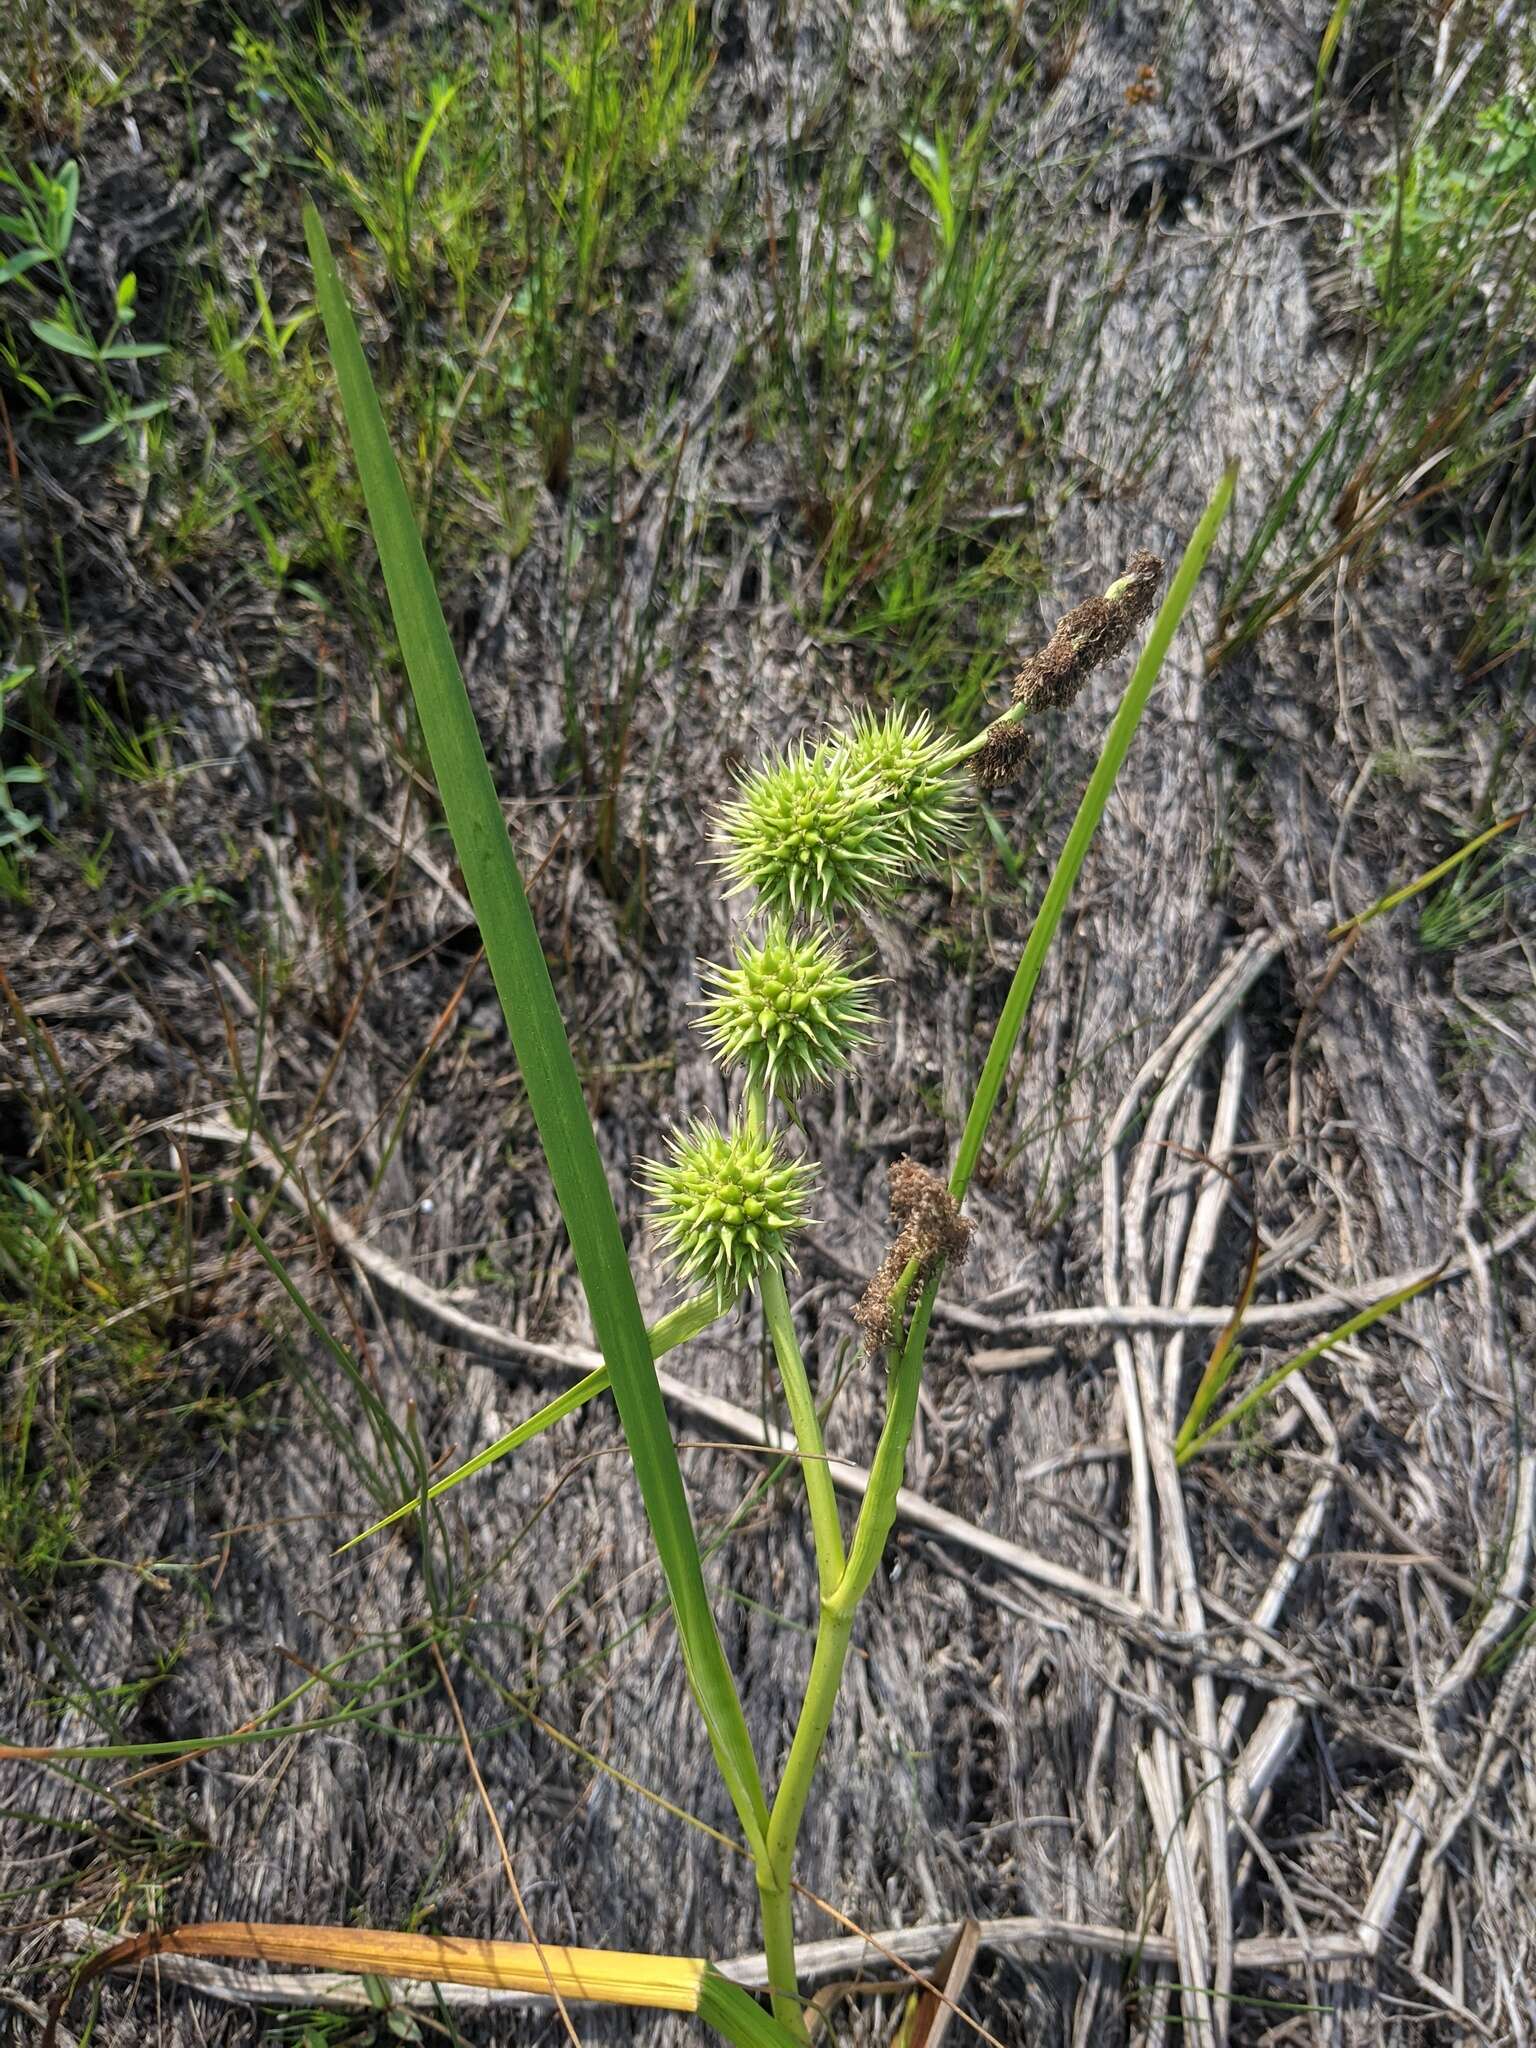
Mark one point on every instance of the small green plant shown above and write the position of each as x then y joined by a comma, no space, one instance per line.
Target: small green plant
1433,415
1197,1431
501,180
43,224
15,824
909,362
822,833
83,1293
1440,198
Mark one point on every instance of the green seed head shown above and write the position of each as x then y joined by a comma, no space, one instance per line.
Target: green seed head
813,832
787,1011
726,1204
926,798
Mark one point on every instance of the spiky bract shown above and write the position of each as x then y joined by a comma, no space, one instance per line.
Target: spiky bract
726,1204
813,833
787,1010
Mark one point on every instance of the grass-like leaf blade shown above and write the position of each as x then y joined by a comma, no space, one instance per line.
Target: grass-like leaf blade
543,1053
1117,744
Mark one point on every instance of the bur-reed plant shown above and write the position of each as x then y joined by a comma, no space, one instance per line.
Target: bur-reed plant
815,835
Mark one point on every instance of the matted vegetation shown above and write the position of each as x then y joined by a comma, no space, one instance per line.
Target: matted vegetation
770,389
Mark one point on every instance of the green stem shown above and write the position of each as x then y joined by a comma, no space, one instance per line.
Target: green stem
775,1866
878,1514
821,1497
774,1901
1095,798
827,1661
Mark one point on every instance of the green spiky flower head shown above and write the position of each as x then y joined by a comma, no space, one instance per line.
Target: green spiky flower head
812,832
787,1010
727,1203
926,796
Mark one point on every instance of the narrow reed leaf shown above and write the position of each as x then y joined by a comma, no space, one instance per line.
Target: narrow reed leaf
676,1328
537,1031
1395,896
554,1411
1089,812
1272,1382
1225,1353
382,1423
735,2014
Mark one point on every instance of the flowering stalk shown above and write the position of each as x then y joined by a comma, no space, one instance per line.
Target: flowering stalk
753,1025
824,830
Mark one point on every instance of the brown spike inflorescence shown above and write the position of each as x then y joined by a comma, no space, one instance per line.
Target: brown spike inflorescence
1008,751
1091,634
933,1233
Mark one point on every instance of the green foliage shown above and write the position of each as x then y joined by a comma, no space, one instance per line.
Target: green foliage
728,1200
538,1037
42,224
1468,907
906,357
1433,416
15,824
1197,1434
504,179
1443,197
84,1303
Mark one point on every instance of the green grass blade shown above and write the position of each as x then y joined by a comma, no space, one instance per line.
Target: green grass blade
537,1030
1089,812
1272,1382
734,2014
552,1412
673,1329
1395,896
1223,1361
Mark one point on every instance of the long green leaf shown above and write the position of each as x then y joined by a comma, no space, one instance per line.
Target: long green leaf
731,2012
521,975
676,1328
1095,799
1272,1382
534,1425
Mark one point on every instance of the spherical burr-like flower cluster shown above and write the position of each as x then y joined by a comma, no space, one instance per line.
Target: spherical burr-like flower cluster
787,1010
926,798
727,1203
812,833
842,824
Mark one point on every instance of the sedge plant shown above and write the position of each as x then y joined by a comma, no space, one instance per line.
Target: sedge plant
812,838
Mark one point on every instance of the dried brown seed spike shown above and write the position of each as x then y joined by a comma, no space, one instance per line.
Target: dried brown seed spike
933,1233
1092,633
874,1314
1008,751
928,1213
